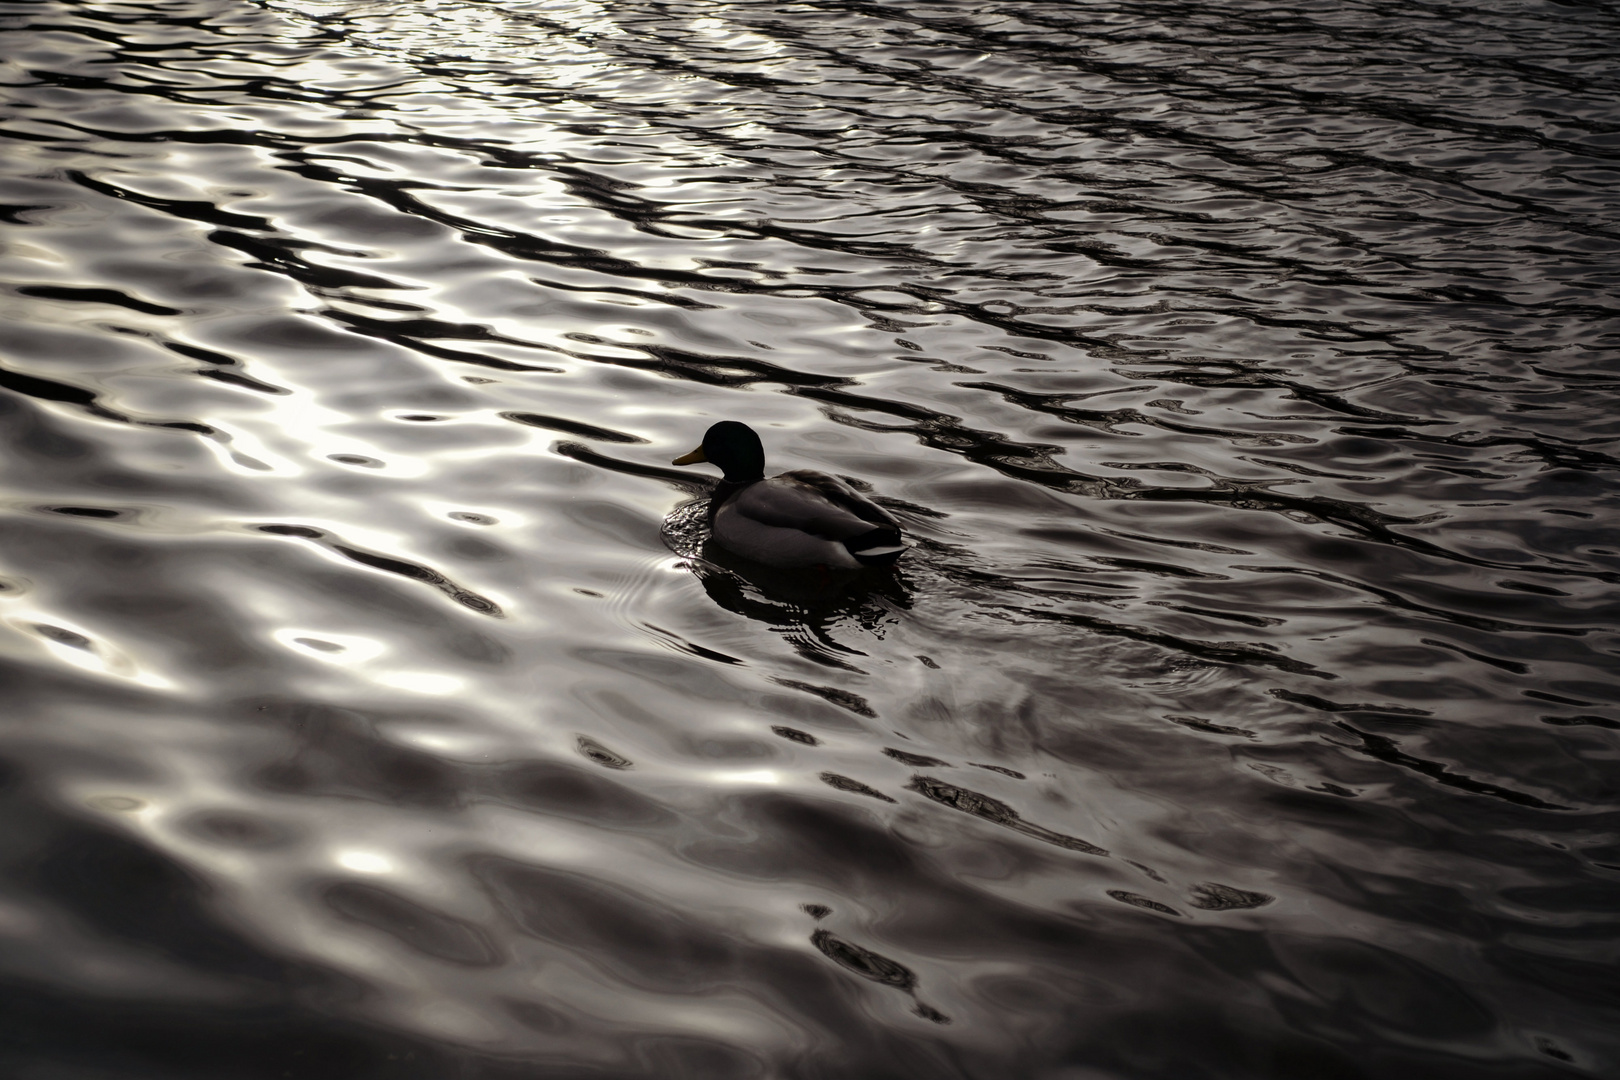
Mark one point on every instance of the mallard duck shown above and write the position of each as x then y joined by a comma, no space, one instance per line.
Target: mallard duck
800,518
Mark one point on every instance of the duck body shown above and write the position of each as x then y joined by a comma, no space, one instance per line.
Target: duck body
801,518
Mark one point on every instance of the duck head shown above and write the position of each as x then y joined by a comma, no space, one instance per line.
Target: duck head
732,446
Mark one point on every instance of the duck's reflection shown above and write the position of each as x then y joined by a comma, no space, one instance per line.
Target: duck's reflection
806,606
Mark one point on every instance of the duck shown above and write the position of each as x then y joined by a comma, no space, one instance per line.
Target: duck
801,518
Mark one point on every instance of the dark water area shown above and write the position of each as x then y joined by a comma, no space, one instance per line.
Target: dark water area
1243,374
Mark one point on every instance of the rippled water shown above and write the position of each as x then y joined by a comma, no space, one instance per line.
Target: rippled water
1243,374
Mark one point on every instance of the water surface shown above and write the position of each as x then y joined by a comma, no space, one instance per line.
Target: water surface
1244,375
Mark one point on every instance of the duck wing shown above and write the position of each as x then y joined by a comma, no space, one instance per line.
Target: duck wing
812,502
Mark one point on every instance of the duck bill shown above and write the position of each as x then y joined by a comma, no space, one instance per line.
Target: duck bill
694,458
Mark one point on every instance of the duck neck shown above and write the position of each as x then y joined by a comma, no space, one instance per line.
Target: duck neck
725,489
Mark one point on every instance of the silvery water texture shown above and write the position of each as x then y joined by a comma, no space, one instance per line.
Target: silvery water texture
1243,375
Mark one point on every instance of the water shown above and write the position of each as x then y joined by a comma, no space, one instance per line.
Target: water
1243,375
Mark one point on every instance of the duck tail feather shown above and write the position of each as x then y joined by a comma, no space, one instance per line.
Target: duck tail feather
876,547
